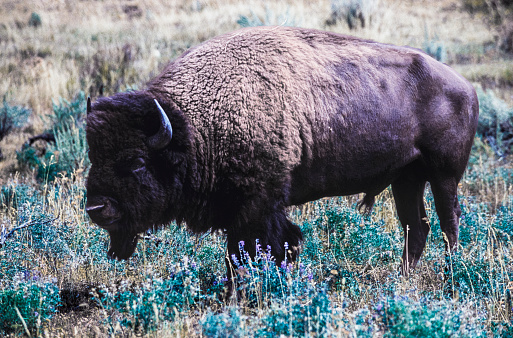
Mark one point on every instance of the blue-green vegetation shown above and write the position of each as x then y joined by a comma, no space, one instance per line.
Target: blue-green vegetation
345,283
67,151
26,301
11,118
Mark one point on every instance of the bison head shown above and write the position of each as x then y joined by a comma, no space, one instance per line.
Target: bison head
137,166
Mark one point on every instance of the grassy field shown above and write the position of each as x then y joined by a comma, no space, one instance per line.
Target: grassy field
55,278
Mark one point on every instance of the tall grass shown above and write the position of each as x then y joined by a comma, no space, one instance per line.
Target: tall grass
55,279
346,280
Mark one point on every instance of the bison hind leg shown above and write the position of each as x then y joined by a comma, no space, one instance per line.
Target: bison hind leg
367,203
408,192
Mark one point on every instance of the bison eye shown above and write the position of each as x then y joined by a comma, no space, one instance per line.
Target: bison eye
128,167
137,165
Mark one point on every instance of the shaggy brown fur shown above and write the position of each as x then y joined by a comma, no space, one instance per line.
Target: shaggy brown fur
269,117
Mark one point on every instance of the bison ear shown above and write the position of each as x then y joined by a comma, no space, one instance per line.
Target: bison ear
162,138
88,105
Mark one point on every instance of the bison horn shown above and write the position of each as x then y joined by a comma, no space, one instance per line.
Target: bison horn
162,138
88,105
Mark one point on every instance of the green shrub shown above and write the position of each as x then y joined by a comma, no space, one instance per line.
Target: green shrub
300,315
144,306
35,20
269,19
44,164
16,194
229,323
435,48
356,13
71,147
495,122
69,152
344,233
35,301
11,118
66,113
403,317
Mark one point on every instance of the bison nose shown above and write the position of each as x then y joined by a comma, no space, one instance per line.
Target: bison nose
103,211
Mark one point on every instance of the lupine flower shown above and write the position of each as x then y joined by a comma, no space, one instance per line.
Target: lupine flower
235,260
258,246
247,256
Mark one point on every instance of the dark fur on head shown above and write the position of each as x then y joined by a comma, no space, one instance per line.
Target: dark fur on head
146,184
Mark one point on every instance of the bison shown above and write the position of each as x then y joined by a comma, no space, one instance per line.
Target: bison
245,124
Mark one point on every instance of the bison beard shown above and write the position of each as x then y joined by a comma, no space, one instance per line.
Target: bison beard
248,123
122,244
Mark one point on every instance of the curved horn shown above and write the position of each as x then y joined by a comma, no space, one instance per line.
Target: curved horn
162,138
88,105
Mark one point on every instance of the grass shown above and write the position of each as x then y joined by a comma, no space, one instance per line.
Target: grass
55,279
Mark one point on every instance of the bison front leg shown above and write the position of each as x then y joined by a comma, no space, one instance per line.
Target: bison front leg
408,194
269,229
253,235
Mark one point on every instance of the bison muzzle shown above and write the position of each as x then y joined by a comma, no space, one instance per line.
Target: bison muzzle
248,123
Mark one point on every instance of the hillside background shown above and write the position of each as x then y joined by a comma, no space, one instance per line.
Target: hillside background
54,277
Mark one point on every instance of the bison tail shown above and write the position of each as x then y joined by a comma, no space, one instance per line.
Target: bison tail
367,203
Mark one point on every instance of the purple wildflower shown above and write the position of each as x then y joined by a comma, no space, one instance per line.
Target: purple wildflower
235,260
258,246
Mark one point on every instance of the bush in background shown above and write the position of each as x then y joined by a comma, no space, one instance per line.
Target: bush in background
356,13
35,20
269,19
495,122
498,14
435,48
11,118
68,153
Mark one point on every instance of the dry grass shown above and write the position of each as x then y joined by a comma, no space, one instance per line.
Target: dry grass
44,63
81,42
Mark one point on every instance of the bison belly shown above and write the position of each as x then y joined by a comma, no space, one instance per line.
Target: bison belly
356,163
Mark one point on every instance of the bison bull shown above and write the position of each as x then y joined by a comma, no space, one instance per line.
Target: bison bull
244,125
